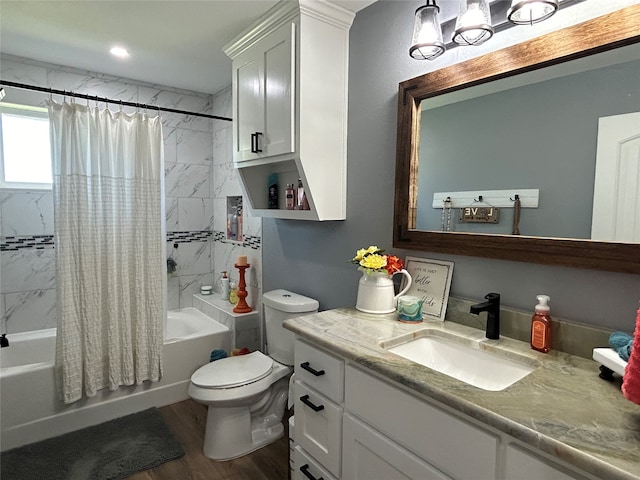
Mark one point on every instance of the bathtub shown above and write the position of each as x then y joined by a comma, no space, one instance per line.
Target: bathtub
29,407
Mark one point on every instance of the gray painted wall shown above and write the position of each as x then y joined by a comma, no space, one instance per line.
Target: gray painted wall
310,258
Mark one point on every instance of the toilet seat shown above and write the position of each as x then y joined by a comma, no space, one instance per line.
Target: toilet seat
233,371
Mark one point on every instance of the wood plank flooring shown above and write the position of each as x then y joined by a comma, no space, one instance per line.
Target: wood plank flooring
187,420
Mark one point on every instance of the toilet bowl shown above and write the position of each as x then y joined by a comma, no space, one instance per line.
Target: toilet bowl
246,395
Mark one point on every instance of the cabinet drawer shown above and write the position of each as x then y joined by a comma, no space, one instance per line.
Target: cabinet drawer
320,370
306,468
318,427
372,456
434,435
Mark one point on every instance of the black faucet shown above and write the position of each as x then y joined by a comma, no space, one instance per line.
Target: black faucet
492,307
4,341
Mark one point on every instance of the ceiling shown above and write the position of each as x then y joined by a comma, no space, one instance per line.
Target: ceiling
174,43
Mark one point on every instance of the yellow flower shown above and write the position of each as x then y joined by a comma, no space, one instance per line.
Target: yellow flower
374,261
360,254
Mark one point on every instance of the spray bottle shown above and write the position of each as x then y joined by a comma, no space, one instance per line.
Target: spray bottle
541,325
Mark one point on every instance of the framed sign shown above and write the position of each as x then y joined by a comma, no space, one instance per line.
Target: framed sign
431,280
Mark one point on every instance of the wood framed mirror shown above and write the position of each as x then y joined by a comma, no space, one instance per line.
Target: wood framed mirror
618,29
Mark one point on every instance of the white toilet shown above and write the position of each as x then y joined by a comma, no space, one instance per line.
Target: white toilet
247,394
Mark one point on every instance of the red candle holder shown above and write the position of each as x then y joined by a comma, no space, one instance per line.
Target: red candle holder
242,306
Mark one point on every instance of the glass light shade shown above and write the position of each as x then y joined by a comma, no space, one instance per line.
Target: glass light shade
528,12
427,41
473,25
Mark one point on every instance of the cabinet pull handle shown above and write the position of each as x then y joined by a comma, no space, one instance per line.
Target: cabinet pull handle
315,372
305,470
258,149
316,408
253,143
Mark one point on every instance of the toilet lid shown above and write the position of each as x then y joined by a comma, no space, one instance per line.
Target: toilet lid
233,371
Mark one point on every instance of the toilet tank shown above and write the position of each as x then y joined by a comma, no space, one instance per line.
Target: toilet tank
278,306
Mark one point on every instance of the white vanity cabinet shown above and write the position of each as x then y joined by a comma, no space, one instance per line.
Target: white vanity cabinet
353,424
290,79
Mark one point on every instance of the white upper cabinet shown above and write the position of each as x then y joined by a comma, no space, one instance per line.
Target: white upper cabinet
290,107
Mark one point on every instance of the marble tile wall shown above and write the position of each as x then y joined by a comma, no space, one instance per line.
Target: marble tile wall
225,182
199,175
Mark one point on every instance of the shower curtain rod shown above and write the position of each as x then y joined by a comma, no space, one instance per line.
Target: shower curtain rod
108,100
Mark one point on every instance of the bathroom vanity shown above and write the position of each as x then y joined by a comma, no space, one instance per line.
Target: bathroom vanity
363,412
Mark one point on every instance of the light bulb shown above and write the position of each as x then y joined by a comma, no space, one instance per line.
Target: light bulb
427,41
473,25
528,12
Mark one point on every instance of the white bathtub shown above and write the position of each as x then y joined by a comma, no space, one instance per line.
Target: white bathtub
29,407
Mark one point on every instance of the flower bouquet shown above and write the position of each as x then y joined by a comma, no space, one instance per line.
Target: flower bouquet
372,260
376,293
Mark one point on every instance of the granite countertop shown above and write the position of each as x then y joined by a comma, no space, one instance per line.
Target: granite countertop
563,408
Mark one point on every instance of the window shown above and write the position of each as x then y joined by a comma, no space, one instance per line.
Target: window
25,150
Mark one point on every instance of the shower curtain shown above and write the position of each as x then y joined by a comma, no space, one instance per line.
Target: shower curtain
107,188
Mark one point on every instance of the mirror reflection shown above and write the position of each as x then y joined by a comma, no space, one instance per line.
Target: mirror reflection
566,137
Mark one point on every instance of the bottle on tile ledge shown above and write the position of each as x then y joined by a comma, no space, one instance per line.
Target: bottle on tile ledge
233,293
224,285
541,325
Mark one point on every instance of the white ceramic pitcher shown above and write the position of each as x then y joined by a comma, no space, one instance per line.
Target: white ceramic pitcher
376,294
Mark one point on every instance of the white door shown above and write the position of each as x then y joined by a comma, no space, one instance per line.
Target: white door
616,196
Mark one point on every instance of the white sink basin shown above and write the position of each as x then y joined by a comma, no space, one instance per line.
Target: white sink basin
464,362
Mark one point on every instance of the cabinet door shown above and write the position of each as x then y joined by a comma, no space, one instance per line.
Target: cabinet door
264,97
248,106
368,455
279,101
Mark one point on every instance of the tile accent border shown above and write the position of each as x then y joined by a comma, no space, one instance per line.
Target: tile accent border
25,242
41,242
188,237
248,241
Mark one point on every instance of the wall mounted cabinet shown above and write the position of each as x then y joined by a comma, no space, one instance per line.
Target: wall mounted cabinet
290,107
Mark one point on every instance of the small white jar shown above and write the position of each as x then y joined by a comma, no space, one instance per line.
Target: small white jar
206,290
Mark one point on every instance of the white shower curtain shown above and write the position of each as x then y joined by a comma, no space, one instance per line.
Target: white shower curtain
108,173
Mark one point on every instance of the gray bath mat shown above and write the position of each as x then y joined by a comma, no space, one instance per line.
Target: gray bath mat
111,450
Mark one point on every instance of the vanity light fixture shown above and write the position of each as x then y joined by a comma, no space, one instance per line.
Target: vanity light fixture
528,12
473,25
427,41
